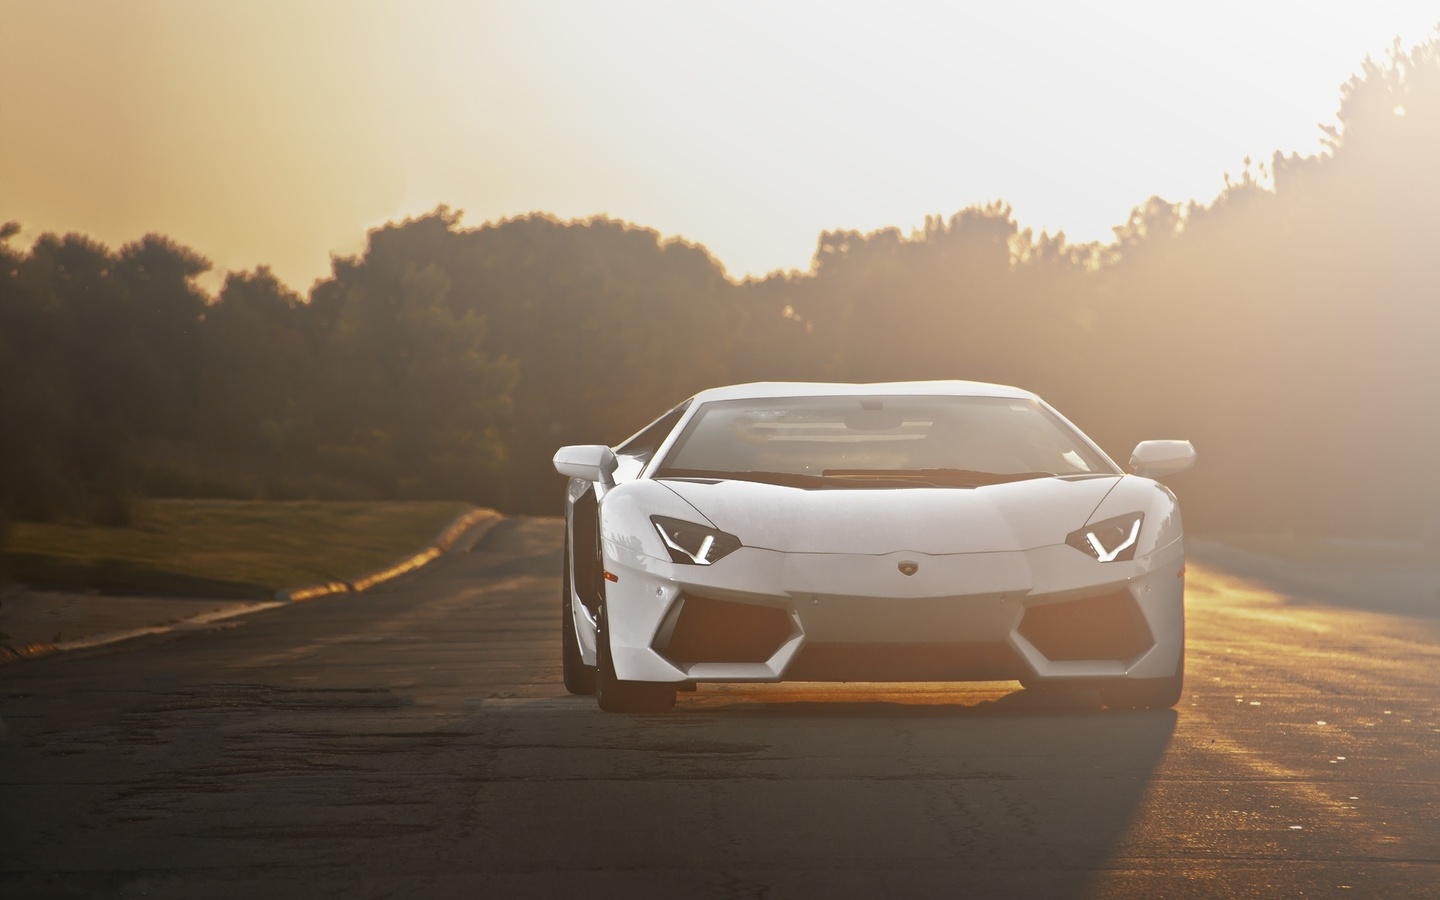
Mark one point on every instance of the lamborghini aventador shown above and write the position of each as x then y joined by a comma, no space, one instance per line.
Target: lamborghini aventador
925,531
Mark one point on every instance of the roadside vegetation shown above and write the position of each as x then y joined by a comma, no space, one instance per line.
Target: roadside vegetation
1287,327
225,548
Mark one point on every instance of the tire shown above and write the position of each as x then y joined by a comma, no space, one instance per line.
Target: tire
579,678
1146,693
619,696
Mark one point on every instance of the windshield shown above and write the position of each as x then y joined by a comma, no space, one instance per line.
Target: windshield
879,441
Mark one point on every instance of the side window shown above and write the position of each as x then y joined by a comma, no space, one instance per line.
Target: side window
642,446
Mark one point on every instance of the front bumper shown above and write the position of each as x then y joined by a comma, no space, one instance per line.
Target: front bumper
759,615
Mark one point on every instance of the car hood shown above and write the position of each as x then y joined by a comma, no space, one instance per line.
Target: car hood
1018,515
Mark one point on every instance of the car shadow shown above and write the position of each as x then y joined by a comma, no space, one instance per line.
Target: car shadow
856,793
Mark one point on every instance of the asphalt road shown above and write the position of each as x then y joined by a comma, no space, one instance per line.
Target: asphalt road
416,742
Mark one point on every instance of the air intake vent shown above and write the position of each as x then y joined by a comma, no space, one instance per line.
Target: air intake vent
1110,626
722,631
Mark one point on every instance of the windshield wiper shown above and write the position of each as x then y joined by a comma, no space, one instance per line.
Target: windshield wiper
783,479
800,479
938,477
859,478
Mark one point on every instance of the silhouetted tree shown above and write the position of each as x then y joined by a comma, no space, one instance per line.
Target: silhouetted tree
1288,326
258,359
405,397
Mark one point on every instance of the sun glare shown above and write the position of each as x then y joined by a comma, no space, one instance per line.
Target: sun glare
746,127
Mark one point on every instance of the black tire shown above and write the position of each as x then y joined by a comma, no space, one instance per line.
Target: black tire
619,696
1146,693
579,678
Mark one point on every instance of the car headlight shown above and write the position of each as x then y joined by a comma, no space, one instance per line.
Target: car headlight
1112,540
691,544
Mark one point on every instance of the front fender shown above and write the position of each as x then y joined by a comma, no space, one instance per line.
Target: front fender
1162,525
625,512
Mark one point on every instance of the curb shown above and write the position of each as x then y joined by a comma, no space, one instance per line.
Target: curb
474,525
14,652
442,543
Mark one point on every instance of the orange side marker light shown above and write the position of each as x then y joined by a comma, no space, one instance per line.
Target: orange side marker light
611,576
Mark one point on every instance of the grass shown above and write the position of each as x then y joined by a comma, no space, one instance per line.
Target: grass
225,548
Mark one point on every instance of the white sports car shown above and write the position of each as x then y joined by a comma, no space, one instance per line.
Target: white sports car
925,531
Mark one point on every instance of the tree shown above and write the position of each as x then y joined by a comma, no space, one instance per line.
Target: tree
405,397
257,360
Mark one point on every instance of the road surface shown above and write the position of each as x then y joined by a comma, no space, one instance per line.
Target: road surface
416,741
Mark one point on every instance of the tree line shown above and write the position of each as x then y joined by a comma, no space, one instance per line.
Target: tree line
1290,327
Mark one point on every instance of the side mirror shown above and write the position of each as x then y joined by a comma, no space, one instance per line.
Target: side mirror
1156,459
588,462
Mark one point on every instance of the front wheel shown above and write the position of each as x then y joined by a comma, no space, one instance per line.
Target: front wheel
579,678
615,695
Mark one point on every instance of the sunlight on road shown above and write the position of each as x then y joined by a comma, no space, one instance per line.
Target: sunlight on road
1294,707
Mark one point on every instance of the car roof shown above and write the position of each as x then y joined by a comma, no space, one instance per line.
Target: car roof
766,389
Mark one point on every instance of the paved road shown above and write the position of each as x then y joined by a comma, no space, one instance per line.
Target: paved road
415,742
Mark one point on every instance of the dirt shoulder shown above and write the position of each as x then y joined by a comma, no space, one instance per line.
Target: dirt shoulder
1390,577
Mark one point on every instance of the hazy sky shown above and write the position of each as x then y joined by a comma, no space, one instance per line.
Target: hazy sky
278,131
